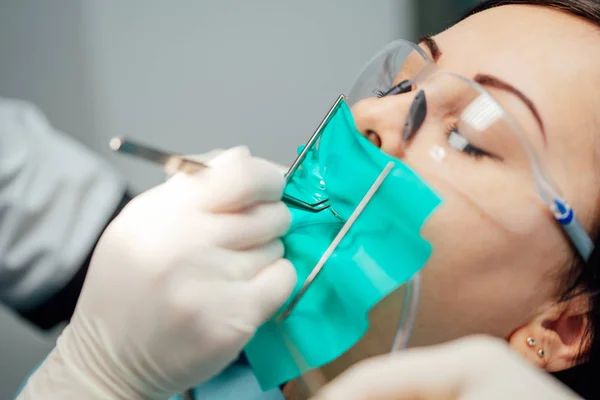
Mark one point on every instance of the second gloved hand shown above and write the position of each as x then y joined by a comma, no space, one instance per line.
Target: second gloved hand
178,284
476,368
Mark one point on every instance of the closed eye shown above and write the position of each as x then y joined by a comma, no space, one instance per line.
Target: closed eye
460,143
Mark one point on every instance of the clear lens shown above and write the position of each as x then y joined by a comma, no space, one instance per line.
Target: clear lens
468,143
465,124
398,61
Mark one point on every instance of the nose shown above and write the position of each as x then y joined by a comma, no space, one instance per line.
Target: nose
391,122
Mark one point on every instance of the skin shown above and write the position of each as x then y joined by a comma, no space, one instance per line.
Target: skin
483,278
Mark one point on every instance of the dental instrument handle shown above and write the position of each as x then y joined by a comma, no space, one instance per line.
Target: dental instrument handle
313,139
171,162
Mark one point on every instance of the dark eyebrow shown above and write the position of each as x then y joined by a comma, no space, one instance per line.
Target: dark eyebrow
431,44
495,82
490,80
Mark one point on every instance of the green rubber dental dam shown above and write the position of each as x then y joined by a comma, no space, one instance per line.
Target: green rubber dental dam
382,250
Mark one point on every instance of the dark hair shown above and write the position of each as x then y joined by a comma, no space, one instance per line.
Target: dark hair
582,277
586,9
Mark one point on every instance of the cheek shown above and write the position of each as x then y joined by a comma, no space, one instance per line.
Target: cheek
482,278
504,190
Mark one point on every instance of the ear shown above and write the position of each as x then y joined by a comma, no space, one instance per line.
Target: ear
554,338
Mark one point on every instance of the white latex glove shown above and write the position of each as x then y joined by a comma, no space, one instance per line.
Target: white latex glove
178,284
476,368
206,157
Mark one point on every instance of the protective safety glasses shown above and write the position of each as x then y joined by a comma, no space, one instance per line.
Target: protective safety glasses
455,118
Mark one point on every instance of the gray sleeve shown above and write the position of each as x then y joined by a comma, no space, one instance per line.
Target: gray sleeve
55,198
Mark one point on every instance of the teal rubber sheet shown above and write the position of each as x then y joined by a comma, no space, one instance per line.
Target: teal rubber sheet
380,253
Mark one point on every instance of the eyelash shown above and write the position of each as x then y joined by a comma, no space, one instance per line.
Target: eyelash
380,93
469,150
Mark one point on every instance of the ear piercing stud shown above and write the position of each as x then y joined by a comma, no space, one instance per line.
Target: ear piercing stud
531,343
541,353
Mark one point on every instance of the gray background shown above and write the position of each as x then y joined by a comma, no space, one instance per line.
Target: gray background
184,75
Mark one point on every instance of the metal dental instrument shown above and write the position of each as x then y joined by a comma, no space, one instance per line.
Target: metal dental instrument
313,139
291,200
171,162
337,240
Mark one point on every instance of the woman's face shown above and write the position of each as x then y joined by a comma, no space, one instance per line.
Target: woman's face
483,277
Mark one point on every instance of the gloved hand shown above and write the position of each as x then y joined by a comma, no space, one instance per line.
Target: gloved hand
476,368
178,284
206,157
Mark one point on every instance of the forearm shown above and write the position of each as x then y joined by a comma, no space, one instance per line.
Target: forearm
60,307
56,197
